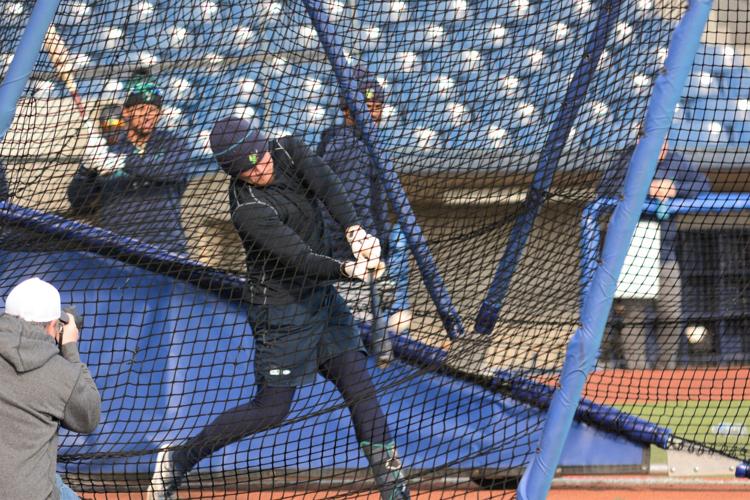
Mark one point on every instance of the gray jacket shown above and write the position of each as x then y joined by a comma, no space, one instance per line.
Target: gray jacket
39,390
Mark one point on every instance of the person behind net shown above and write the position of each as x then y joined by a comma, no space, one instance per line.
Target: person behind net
85,190
140,196
301,325
343,148
44,385
660,317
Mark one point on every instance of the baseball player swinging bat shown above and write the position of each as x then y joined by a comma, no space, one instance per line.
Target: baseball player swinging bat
96,152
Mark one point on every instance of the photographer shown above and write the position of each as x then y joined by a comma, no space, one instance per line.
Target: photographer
44,385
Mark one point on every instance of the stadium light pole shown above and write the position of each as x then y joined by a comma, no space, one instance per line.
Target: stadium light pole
584,345
24,59
333,47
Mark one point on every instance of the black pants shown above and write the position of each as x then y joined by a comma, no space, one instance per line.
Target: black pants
633,321
271,405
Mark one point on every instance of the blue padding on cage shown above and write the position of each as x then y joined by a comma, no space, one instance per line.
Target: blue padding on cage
167,357
549,158
584,345
123,248
24,59
144,258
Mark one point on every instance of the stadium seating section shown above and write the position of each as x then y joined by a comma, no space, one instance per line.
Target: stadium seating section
440,64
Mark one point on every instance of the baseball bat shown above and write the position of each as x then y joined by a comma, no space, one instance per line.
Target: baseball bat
380,344
63,63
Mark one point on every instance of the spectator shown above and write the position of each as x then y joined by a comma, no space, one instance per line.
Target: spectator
301,325
343,148
44,385
661,317
142,198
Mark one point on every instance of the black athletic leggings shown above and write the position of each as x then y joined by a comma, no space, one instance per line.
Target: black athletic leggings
271,405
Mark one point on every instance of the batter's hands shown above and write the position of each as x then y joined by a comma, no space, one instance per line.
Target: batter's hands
365,247
99,158
362,270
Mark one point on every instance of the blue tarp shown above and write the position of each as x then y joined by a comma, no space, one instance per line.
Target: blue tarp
168,357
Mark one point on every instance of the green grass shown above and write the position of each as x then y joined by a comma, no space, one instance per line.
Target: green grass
698,421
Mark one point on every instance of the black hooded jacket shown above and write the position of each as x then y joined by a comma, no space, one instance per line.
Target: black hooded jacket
281,225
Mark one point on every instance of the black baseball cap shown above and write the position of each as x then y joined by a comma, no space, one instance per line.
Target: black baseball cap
143,90
237,145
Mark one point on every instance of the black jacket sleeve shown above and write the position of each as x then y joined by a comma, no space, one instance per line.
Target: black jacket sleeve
261,229
322,180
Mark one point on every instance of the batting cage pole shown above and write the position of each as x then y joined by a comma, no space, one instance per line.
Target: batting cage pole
549,159
584,345
333,47
24,59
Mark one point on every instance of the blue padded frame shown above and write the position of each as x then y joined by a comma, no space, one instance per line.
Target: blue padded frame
584,345
545,171
24,59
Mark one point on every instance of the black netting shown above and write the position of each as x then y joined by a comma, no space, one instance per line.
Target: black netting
508,126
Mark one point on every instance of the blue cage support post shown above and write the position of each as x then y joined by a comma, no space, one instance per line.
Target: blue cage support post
333,46
583,347
549,160
24,59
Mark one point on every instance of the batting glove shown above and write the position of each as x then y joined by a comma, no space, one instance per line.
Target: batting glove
359,270
365,247
99,158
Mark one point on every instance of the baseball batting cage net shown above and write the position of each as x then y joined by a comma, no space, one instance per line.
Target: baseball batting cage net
494,157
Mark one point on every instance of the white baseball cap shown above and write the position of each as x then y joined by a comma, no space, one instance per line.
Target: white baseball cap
34,300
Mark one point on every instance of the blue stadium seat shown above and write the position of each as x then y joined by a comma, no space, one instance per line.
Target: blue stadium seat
714,109
106,38
466,138
386,12
142,12
367,36
692,134
654,31
529,138
511,11
572,11
702,85
482,35
426,139
740,134
249,14
73,14
735,83
616,135
442,11
195,14
716,59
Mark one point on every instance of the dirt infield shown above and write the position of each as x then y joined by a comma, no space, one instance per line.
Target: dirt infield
640,386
